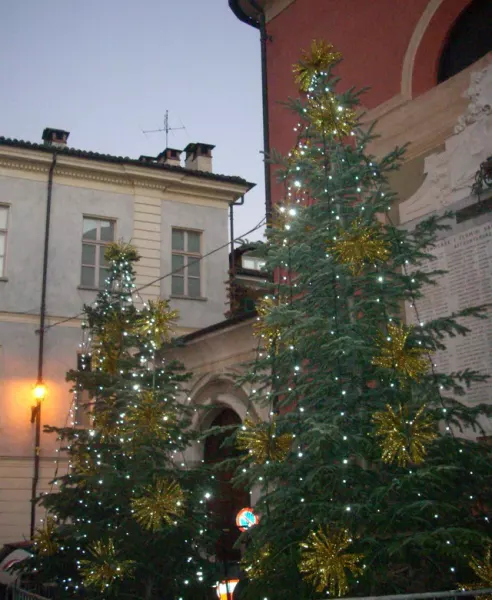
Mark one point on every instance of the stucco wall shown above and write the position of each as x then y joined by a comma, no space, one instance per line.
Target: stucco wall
27,200
18,372
20,296
213,223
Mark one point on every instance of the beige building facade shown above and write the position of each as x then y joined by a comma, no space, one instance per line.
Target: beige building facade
172,213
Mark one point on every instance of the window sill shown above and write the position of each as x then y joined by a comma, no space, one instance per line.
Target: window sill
89,289
199,298
4,278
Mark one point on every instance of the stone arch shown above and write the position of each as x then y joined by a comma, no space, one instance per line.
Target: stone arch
219,390
228,406
420,64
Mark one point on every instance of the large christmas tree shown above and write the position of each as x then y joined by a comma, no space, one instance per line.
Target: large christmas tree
372,480
129,519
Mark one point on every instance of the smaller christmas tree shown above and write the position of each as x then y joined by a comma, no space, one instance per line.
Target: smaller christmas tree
129,519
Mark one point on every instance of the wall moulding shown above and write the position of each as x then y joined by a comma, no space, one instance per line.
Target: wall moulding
428,120
118,177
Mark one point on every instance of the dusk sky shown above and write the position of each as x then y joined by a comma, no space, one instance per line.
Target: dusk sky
107,69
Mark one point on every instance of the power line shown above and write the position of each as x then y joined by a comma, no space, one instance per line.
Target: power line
260,224
201,257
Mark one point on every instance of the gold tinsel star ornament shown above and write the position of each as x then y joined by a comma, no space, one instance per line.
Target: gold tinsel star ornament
108,344
358,246
105,566
395,353
483,568
160,504
404,440
121,251
313,62
262,443
157,321
325,562
269,333
483,571
45,543
329,117
150,415
256,567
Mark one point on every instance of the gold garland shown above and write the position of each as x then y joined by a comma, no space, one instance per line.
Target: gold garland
313,62
403,440
105,567
324,562
261,442
359,245
159,505
409,363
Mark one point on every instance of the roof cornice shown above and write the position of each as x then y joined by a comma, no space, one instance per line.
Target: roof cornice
237,7
118,160
122,172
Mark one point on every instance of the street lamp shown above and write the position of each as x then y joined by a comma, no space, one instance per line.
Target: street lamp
39,394
225,589
39,391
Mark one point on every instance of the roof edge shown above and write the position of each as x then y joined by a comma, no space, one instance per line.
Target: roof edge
217,327
235,6
109,158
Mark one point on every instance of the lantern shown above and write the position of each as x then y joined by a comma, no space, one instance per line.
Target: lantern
225,589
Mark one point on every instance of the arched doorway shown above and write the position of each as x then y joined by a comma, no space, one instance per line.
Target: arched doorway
228,500
469,39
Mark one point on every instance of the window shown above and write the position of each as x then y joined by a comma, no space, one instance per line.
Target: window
97,234
186,255
4,219
469,39
252,263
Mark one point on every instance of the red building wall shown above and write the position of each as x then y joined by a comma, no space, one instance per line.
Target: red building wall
373,36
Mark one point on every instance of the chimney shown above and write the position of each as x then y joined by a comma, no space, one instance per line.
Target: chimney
199,157
55,137
170,156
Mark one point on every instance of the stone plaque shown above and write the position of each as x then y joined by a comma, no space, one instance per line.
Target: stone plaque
467,256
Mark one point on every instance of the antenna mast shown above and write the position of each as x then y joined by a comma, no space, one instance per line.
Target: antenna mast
166,128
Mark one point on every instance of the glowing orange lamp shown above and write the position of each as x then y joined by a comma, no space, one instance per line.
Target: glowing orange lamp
225,589
39,392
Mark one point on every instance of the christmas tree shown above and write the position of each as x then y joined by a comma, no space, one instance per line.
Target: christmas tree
129,519
372,480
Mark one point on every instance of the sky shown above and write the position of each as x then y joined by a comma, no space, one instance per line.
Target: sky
106,70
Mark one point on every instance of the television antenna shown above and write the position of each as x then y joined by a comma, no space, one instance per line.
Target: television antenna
166,128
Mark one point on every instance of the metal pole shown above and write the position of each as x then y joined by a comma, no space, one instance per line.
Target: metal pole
264,39
426,595
36,412
232,271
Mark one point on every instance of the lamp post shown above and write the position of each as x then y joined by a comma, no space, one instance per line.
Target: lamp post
39,394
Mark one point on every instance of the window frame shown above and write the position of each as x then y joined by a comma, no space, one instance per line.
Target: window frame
187,255
5,234
98,245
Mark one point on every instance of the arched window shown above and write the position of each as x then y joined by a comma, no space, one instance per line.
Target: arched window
229,500
469,39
